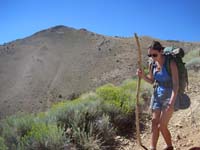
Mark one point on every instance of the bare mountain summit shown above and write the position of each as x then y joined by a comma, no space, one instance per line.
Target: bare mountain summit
61,63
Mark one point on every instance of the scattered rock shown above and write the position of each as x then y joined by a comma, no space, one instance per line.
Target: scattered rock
178,137
178,125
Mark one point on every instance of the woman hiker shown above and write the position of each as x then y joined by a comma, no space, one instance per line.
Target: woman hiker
164,96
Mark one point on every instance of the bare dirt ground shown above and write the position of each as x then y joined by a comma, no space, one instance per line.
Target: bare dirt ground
184,125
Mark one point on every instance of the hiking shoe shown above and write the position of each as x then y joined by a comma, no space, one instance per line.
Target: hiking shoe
169,148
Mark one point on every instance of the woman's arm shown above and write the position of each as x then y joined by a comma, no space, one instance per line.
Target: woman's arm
175,82
149,77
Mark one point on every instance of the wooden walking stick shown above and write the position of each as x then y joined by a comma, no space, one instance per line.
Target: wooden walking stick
138,95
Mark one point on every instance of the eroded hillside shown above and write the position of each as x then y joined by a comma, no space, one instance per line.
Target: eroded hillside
61,63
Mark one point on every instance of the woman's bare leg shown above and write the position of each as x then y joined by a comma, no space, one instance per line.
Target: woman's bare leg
155,127
164,120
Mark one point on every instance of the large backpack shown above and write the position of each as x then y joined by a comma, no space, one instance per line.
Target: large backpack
177,54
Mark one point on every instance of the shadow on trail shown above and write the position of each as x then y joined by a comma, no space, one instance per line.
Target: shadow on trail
195,148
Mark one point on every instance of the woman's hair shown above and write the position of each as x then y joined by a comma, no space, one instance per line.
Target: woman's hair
156,46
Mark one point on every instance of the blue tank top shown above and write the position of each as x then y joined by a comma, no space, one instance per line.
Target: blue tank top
162,76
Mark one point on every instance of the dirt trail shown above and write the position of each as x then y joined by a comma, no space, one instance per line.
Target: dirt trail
184,125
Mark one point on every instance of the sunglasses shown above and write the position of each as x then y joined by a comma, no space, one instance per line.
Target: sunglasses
152,55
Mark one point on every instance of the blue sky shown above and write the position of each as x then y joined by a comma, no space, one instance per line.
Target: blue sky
163,19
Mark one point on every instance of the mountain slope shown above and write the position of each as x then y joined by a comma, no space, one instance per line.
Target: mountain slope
61,63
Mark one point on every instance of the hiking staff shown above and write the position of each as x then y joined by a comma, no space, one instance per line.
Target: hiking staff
137,95
139,62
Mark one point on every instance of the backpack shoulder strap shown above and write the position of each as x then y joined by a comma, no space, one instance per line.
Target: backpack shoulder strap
167,63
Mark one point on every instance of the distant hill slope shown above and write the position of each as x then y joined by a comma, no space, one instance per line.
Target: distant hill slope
61,62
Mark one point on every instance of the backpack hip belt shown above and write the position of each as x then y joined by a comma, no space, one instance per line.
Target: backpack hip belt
166,84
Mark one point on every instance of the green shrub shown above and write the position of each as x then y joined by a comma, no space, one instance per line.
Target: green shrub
67,107
15,127
130,85
194,64
83,136
146,90
84,108
2,144
191,55
105,129
94,135
88,122
78,118
119,103
43,136
116,96
109,93
124,96
85,122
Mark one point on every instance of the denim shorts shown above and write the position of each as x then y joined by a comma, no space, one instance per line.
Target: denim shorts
160,103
